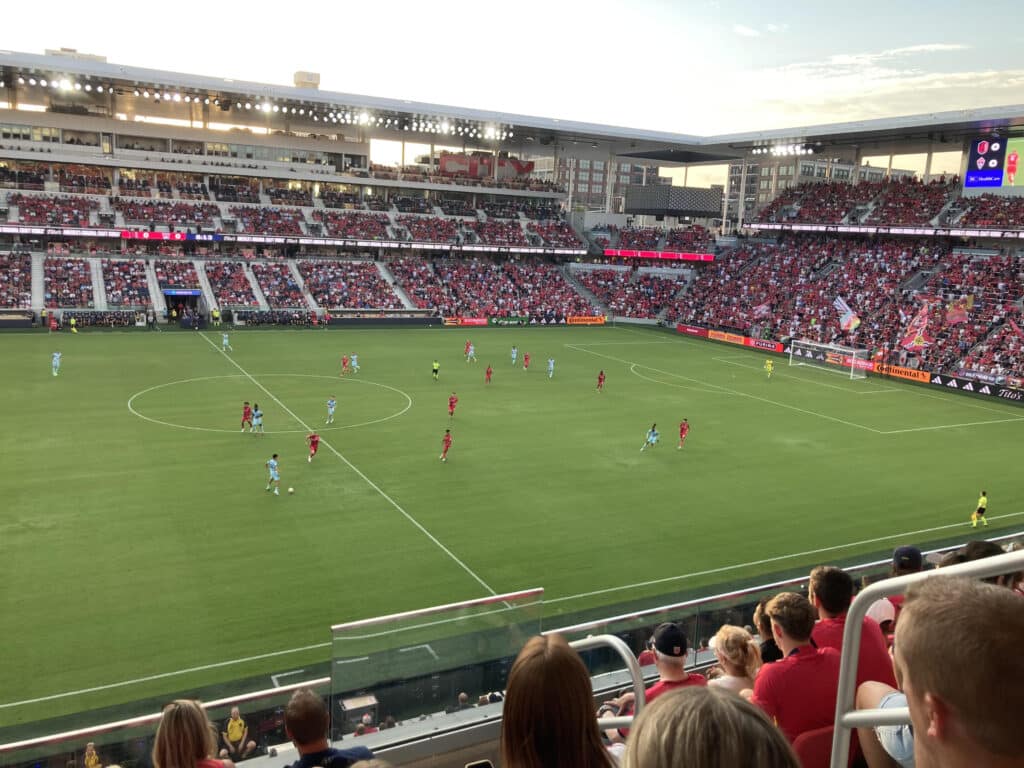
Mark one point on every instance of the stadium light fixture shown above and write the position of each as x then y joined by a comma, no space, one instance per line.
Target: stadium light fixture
177,97
88,88
31,81
78,86
363,118
42,83
21,81
99,89
207,100
248,105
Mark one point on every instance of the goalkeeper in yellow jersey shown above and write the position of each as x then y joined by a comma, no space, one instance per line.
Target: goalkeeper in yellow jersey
769,365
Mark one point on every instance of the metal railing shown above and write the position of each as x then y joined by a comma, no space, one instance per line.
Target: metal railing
847,717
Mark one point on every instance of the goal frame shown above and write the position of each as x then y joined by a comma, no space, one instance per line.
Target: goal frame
834,358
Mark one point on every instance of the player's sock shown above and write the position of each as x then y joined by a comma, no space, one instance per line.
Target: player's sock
267,488
277,492
984,522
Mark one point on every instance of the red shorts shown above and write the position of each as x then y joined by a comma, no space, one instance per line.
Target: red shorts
314,448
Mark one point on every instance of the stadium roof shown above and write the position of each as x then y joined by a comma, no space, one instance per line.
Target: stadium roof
423,122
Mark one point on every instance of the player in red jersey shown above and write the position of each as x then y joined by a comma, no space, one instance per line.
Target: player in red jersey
452,402
468,345
487,374
446,443
600,381
344,365
314,445
246,416
1011,167
684,430
526,361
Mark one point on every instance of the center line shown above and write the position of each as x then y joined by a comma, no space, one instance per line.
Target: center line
355,469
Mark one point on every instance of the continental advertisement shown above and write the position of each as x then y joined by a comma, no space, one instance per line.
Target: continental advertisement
584,320
899,372
728,338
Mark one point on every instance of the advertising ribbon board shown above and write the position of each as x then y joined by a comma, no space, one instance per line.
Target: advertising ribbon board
692,330
899,372
585,320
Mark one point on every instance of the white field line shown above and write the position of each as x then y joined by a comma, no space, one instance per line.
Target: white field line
951,426
633,370
667,579
579,348
804,379
355,469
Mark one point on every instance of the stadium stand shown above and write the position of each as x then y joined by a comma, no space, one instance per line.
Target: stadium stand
457,208
831,202
502,233
629,294
278,285
29,176
639,238
354,226
413,205
1001,354
556,234
287,196
138,185
68,283
230,285
348,285
419,280
15,281
125,283
693,239
268,221
53,210
909,202
84,179
992,211
332,199
176,274
136,211
234,190
429,229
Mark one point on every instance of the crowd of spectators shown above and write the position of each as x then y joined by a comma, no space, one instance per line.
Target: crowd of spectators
176,273
230,190
278,285
640,238
412,205
288,196
189,187
230,284
354,226
1001,354
419,280
504,210
54,210
348,285
15,281
993,211
831,202
138,185
429,229
111,319
910,202
778,210
126,283
166,213
694,239
86,179
333,199
497,232
630,294
557,234
275,317
379,204
457,208
24,176
267,221
67,282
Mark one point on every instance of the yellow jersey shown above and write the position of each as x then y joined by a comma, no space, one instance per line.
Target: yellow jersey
236,729
982,502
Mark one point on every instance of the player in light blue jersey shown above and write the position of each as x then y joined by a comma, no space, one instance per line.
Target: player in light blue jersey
515,354
331,405
354,363
652,438
274,478
56,363
551,367
471,354
257,419
225,345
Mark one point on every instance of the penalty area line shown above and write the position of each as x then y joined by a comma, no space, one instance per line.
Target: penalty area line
359,472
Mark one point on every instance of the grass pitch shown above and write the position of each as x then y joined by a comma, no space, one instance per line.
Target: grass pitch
137,541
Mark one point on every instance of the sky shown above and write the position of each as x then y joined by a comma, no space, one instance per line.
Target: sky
688,66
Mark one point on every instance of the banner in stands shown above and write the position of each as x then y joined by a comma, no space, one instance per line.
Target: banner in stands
728,338
450,321
584,320
988,378
664,255
482,166
899,372
512,320
766,344
471,321
978,388
692,330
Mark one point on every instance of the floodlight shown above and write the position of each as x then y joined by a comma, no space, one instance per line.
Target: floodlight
363,118
42,83
21,81
31,81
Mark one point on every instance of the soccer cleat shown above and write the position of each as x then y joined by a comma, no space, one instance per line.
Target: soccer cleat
984,522
974,524
309,459
276,492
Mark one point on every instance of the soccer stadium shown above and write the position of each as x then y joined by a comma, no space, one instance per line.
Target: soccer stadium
651,410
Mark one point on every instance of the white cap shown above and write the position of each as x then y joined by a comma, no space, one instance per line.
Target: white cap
882,610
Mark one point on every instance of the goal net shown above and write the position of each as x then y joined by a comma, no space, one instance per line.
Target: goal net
830,357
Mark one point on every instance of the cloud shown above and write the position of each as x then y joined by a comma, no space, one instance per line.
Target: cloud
745,31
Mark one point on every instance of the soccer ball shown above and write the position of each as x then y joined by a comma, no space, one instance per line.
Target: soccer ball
291,490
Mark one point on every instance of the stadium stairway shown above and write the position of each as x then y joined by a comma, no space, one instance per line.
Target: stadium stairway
389,278
99,290
297,277
582,290
256,290
204,285
38,282
159,300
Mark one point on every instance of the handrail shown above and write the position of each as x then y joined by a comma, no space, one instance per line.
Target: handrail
490,599
135,722
635,673
846,717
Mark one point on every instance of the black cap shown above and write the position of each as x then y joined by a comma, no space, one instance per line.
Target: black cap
670,639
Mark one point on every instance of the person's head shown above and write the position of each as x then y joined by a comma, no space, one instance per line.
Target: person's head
737,650
792,617
906,560
978,550
306,719
447,431
183,736
957,646
274,457
830,590
90,747
761,621
367,719
705,727
235,714
548,717
669,646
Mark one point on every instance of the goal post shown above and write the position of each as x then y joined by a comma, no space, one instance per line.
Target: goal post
835,358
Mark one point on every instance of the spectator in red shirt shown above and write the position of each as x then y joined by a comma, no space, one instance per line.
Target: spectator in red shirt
670,658
831,590
799,691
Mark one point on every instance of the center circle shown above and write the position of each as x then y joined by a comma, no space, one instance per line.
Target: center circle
225,395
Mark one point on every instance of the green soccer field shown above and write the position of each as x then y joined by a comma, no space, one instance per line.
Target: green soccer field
141,556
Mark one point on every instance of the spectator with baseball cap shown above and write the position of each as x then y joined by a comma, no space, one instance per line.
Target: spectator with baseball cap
670,652
905,560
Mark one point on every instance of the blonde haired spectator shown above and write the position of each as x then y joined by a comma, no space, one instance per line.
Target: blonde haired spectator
185,738
739,657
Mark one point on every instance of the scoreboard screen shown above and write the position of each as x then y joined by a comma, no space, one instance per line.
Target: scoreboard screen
994,162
